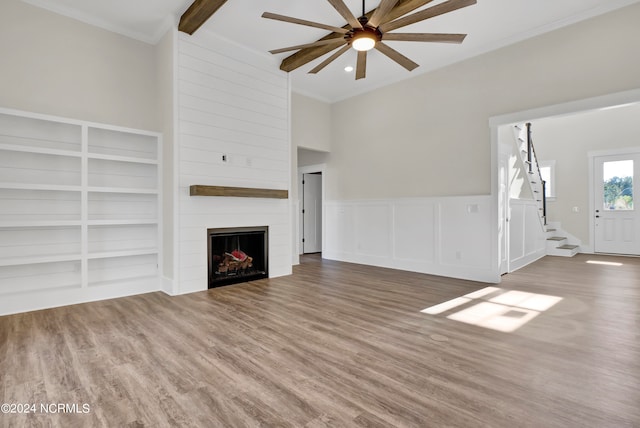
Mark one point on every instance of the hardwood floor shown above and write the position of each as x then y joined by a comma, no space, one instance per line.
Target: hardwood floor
336,344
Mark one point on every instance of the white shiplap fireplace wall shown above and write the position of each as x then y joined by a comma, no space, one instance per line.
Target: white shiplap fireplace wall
235,103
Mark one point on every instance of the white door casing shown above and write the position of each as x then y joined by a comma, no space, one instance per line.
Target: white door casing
312,213
504,208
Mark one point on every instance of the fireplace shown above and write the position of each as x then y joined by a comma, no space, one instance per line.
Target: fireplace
237,254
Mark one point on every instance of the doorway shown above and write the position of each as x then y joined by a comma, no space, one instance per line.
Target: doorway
616,218
312,213
311,182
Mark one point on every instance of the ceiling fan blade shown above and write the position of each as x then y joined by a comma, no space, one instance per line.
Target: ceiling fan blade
198,13
396,56
345,12
361,65
283,18
304,56
425,37
329,60
381,12
442,8
336,41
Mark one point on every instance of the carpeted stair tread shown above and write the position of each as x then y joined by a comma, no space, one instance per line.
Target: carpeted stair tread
568,247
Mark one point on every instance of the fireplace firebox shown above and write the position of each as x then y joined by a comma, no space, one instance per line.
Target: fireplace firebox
237,255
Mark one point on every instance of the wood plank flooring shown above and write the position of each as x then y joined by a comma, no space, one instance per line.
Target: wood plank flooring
335,345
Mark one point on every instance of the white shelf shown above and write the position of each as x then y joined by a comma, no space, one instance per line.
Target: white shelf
122,158
127,253
27,186
123,190
121,222
40,223
57,152
38,150
18,261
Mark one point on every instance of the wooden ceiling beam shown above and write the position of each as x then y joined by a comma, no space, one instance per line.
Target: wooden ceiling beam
304,56
197,14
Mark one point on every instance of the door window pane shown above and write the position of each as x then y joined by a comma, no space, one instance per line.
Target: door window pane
618,185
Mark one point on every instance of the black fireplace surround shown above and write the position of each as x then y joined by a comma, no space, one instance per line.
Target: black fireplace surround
238,254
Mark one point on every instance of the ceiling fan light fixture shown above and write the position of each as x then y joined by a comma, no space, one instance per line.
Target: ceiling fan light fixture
366,42
364,39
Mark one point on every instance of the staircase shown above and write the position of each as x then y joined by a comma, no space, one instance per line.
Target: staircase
559,245
558,242
528,157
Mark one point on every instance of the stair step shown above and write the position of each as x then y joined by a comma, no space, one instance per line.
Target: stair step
568,247
556,238
551,230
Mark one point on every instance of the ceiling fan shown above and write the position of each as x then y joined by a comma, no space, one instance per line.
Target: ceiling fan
369,32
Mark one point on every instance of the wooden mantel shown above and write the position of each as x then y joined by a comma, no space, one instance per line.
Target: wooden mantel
242,192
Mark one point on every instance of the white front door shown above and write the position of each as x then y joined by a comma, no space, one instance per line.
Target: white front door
617,219
312,213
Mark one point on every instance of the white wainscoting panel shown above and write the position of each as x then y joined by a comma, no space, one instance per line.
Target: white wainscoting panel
417,244
447,236
233,130
373,230
526,236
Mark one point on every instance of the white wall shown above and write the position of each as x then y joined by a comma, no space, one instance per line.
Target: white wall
311,140
56,65
429,136
567,140
231,102
311,157
310,123
165,60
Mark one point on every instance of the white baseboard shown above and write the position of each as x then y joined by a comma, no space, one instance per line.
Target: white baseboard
168,286
45,299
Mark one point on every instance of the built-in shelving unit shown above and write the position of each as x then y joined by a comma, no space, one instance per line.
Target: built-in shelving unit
79,210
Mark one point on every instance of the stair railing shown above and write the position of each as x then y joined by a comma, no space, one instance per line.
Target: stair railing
531,160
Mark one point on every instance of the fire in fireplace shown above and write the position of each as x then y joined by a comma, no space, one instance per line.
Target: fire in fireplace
237,255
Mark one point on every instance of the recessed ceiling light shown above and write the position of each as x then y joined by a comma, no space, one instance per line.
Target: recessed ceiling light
348,69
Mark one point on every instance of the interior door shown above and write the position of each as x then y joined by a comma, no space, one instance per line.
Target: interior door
312,213
617,219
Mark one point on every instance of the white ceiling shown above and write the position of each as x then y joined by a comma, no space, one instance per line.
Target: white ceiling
490,24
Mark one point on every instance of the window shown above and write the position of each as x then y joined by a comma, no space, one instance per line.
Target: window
548,172
618,185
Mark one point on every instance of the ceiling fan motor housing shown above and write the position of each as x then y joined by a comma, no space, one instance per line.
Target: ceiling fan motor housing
364,32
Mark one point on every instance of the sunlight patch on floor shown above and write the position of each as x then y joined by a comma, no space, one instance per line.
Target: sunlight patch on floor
444,307
495,308
598,262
